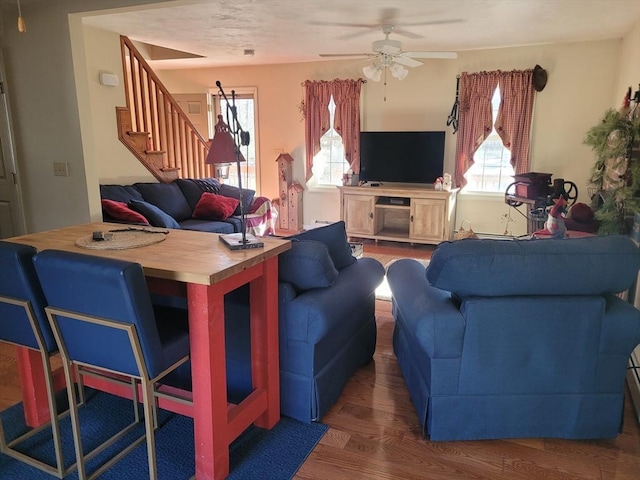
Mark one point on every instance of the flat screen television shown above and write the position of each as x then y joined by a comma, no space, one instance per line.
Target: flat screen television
401,157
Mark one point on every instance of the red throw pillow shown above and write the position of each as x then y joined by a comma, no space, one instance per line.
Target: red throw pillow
120,211
215,207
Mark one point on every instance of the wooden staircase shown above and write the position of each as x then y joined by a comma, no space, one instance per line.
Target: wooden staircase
154,127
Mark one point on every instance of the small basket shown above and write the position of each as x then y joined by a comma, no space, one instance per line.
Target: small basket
463,232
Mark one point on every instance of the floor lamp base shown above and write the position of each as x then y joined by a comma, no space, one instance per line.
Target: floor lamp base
234,241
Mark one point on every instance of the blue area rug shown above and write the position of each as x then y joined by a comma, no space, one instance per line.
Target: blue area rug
274,454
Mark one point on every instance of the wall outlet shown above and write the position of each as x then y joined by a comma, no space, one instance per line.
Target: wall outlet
61,169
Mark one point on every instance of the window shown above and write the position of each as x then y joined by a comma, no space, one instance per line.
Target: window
246,110
491,170
330,164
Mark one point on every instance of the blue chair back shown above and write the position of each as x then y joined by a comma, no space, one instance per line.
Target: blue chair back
19,281
108,289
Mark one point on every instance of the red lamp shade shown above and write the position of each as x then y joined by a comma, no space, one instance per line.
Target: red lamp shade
222,148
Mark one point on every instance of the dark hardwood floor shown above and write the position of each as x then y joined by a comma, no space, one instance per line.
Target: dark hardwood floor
374,431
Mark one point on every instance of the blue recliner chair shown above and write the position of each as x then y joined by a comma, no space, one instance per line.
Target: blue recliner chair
327,324
513,339
103,320
23,322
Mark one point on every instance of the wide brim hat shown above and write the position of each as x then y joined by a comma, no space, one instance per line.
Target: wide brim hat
539,78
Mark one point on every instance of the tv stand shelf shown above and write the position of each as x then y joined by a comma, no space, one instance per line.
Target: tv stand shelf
401,213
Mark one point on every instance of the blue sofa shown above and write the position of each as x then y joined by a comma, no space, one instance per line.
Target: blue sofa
172,205
327,327
513,339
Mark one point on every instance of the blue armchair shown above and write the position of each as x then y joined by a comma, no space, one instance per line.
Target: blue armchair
513,339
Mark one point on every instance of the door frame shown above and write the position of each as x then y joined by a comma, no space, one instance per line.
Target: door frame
9,155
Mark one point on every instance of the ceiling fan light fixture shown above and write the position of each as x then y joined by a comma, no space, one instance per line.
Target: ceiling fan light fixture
398,71
373,72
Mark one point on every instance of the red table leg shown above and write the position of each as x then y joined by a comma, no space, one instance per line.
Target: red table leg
217,424
209,378
33,387
265,355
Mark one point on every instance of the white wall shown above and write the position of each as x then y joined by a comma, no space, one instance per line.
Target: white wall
629,73
61,113
582,77
112,158
50,107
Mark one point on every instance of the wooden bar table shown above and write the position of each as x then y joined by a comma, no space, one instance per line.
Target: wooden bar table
198,265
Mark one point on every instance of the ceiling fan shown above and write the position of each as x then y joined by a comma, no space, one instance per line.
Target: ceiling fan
388,53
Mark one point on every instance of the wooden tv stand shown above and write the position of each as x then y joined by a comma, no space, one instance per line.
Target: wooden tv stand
400,213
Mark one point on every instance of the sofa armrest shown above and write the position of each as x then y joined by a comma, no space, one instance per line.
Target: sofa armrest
427,313
311,315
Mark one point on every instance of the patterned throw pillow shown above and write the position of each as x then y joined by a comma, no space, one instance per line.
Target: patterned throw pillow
121,212
214,207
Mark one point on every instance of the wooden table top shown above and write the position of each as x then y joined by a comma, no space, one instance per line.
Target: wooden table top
185,255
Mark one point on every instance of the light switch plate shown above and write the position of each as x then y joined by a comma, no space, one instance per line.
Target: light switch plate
60,169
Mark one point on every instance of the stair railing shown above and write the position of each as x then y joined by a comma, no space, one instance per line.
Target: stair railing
157,130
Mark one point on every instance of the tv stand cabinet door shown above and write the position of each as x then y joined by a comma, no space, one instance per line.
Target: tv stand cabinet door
427,219
358,211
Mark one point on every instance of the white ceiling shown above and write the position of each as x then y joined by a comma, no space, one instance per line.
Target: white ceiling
290,31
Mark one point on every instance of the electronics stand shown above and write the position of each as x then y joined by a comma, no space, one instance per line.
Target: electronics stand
401,213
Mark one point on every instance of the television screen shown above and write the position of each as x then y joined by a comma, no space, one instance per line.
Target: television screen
401,157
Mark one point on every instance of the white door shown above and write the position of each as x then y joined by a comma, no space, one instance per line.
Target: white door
194,106
12,220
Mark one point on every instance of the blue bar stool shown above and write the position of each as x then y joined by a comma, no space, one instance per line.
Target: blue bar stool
23,322
103,320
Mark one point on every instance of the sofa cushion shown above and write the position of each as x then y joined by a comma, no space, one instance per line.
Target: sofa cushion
120,211
211,226
307,265
120,193
215,207
154,214
234,192
168,197
236,224
192,189
598,265
334,236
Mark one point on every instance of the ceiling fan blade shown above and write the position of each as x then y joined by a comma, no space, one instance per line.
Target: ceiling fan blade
347,55
406,33
430,54
432,22
400,29
406,61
